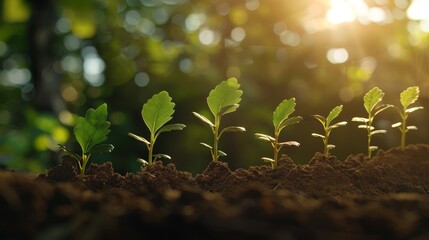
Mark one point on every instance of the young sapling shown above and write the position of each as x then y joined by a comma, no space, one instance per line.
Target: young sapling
327,127
371,102
223,99
90,132
407,97
156,112
280,121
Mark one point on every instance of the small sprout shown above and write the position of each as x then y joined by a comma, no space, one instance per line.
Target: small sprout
407,97
370,101
156,112
90,132
335,112
280,120
223,99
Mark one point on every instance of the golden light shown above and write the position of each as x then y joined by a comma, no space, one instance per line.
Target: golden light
418,10
342,11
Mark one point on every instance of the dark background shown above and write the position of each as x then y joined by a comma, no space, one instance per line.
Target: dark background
58,58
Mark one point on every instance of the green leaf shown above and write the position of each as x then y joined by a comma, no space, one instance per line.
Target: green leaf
221,153
410,110
381,108
171,127
335,112
138,138
142,161
411,128
318,135
101,148
409,96
69,152
378,132
266,159
157,111
360,119
92,129
232,129
206,145
338,124
282,112
372,98
204,119
290,121
319,118
226,94
228,109
398,124
289,143
264,137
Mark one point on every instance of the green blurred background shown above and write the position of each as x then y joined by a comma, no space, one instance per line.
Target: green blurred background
58,58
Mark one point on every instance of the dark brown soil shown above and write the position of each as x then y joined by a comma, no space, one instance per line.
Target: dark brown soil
385,197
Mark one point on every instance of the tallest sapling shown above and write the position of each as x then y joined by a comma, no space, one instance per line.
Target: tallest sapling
371,102
407,97
223,99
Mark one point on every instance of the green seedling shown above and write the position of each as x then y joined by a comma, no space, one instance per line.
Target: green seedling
90,132
371,102
156,112
280,121
335,112
223,99
407,97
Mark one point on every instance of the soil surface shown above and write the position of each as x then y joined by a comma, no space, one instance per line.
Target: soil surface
385,197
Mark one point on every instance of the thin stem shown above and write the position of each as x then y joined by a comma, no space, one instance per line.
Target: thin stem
325,142
215,153
276,150
82,167
403,129
152,143
369,134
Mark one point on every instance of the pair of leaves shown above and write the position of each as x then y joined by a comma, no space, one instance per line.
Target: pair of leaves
92,130
225,97
281,115
268,138
371,101
334,113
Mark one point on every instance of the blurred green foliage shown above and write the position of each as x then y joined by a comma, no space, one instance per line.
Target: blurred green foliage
77,54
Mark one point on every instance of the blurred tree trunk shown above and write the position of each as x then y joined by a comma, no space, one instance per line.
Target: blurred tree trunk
41,42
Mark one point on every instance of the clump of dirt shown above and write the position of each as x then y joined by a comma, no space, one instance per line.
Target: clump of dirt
380,198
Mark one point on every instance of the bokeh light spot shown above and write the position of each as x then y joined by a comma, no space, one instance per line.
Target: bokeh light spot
208,37
186,65
337,55
141,79
418,10
252,5
238,34
69,93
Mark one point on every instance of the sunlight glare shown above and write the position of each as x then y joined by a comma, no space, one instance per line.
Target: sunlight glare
418,10
343,11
